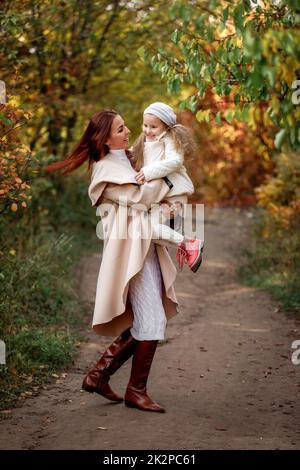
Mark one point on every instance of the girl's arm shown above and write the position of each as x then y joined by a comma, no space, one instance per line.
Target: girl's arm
172,162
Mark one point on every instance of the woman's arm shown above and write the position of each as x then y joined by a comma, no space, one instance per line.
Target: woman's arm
130,194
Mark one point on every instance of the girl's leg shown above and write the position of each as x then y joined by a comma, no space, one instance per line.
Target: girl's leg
162,233
188,250
165,236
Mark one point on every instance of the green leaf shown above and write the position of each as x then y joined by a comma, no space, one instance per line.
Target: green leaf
174,85
203,115
192,103
229,115
218,119
141,52
5,120
175,36
183,105
237,98
225,14
245,113
184,13
238,114
238,18
279,138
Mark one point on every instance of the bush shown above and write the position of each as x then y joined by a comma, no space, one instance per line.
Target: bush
41,314
275,259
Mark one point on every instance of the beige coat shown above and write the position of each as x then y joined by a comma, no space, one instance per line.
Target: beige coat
123,257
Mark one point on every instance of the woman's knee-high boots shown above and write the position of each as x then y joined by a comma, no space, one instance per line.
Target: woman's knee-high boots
136,393
112,359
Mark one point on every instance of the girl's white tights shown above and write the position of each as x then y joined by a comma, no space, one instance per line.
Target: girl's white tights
165,235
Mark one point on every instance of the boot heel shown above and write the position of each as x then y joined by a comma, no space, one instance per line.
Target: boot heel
88,388
130,405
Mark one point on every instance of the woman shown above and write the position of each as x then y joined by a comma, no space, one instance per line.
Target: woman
135,294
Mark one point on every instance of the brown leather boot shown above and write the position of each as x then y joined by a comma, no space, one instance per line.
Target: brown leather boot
136,393
112,359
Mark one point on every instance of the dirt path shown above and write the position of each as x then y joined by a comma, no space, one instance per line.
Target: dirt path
224,374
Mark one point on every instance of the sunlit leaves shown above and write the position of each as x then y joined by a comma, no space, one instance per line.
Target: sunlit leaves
14,158
203,115
279,138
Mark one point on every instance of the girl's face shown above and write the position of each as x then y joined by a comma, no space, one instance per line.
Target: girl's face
119,135
153,127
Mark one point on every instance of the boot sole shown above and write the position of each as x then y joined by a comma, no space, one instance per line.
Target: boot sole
197,263
88,389
130,405
92,390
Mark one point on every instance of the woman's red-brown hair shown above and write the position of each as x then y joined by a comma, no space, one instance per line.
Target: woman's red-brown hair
92,145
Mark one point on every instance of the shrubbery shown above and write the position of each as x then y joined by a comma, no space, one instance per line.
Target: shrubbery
275,258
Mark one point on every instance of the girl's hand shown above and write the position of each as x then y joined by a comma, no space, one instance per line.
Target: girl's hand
140,177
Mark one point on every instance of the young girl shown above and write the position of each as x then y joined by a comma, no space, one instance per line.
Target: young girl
159,152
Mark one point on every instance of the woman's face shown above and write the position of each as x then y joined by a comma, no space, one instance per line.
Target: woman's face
119,135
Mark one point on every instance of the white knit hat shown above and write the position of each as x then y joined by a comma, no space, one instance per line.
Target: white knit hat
164,112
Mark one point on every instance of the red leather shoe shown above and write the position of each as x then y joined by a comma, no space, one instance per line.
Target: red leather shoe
190,251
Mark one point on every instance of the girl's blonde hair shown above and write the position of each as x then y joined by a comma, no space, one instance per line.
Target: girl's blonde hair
182,137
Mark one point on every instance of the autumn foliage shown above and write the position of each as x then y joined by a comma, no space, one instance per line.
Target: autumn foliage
14,159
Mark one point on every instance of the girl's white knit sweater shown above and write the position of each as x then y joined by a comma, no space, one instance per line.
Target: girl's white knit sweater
161,158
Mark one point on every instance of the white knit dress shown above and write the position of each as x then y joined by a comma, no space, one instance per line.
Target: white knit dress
145,293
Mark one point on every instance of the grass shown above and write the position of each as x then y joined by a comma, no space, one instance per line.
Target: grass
42,318
273,262
280,286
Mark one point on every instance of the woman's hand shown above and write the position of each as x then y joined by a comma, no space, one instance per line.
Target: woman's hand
170,211
140,177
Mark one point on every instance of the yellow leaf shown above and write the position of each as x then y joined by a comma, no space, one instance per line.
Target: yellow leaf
203,115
